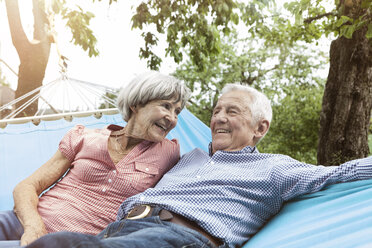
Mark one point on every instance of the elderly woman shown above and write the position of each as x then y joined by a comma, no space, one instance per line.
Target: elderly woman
105,166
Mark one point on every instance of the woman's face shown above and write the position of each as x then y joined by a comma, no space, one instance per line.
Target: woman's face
154,120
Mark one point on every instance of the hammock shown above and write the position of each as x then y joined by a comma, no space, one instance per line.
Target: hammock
25,147
339,216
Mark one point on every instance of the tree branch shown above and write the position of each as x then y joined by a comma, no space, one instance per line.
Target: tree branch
40,20
310,19
19,37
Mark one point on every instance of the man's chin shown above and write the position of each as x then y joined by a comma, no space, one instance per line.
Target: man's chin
217,146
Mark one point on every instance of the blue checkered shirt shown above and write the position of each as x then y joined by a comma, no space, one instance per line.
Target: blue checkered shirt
233,194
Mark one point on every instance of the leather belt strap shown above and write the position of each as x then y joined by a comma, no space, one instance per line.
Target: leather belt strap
143,211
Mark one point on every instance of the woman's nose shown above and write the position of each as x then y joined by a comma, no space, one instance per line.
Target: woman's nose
172,118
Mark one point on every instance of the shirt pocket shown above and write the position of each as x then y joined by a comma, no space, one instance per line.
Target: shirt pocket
146,176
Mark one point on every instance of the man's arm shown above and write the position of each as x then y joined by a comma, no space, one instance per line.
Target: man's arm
26,196
294,178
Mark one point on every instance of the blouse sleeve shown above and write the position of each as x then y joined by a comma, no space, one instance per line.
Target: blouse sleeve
175,154
72,141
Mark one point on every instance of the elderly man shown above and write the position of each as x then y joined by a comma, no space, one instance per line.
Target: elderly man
221,198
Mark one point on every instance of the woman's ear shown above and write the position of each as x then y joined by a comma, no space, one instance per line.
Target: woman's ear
133,108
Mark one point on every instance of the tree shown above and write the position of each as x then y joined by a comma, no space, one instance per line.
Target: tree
347,101
195,27
34,54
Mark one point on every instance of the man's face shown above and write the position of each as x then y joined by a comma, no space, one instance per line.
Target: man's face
231,123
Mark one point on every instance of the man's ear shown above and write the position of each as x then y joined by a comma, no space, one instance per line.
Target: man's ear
263,127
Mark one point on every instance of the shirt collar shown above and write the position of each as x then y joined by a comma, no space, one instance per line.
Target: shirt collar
247,149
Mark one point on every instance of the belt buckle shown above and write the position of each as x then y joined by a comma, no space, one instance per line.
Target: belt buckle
142,215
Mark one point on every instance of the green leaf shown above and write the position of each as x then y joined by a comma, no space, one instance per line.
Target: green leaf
366,4
343,20
369,32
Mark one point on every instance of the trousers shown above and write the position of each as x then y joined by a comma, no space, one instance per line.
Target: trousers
141,233
11,229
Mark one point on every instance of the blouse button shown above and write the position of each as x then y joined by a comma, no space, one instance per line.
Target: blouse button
103,190
114,171
147,169
110,180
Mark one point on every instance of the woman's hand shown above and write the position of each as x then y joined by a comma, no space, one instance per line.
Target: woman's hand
26,195
31,233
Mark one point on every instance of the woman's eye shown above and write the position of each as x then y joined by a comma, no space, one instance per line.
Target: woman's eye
167,106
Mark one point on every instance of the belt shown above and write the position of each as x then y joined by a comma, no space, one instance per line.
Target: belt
143,211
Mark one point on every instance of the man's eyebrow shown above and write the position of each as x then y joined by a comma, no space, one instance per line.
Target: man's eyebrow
235,106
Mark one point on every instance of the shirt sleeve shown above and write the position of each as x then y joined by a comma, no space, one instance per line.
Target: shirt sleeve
71,143
293,178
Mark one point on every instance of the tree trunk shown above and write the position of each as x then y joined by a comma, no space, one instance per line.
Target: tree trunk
347,101
33,55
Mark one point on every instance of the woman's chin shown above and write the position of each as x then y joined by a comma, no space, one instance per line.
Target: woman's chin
156,138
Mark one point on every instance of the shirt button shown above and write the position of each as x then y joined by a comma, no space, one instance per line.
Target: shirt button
114,171
142,198
212,163
147,169
197,176
103,190
110,180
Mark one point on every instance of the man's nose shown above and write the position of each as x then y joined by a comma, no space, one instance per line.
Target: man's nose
220,116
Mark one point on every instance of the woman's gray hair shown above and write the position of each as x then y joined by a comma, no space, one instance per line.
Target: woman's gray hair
150,86
260,105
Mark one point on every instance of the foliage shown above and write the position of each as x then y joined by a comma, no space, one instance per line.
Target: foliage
196,27
78,22
295,125
345,17
257,62
285,72
194,24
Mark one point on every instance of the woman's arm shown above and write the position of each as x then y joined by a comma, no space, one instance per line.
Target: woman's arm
26,196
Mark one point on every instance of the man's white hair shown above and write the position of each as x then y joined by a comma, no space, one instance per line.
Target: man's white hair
150,86
260,105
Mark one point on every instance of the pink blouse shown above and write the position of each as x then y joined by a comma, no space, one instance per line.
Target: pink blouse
86,200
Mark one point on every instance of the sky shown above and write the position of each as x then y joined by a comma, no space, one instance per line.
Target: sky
118,45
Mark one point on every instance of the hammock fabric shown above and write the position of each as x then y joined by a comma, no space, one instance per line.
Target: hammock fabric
339,216
25,147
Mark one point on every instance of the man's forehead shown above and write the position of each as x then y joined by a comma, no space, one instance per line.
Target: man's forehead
235,98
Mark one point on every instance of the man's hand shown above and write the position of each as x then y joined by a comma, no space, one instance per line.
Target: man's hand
31,234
